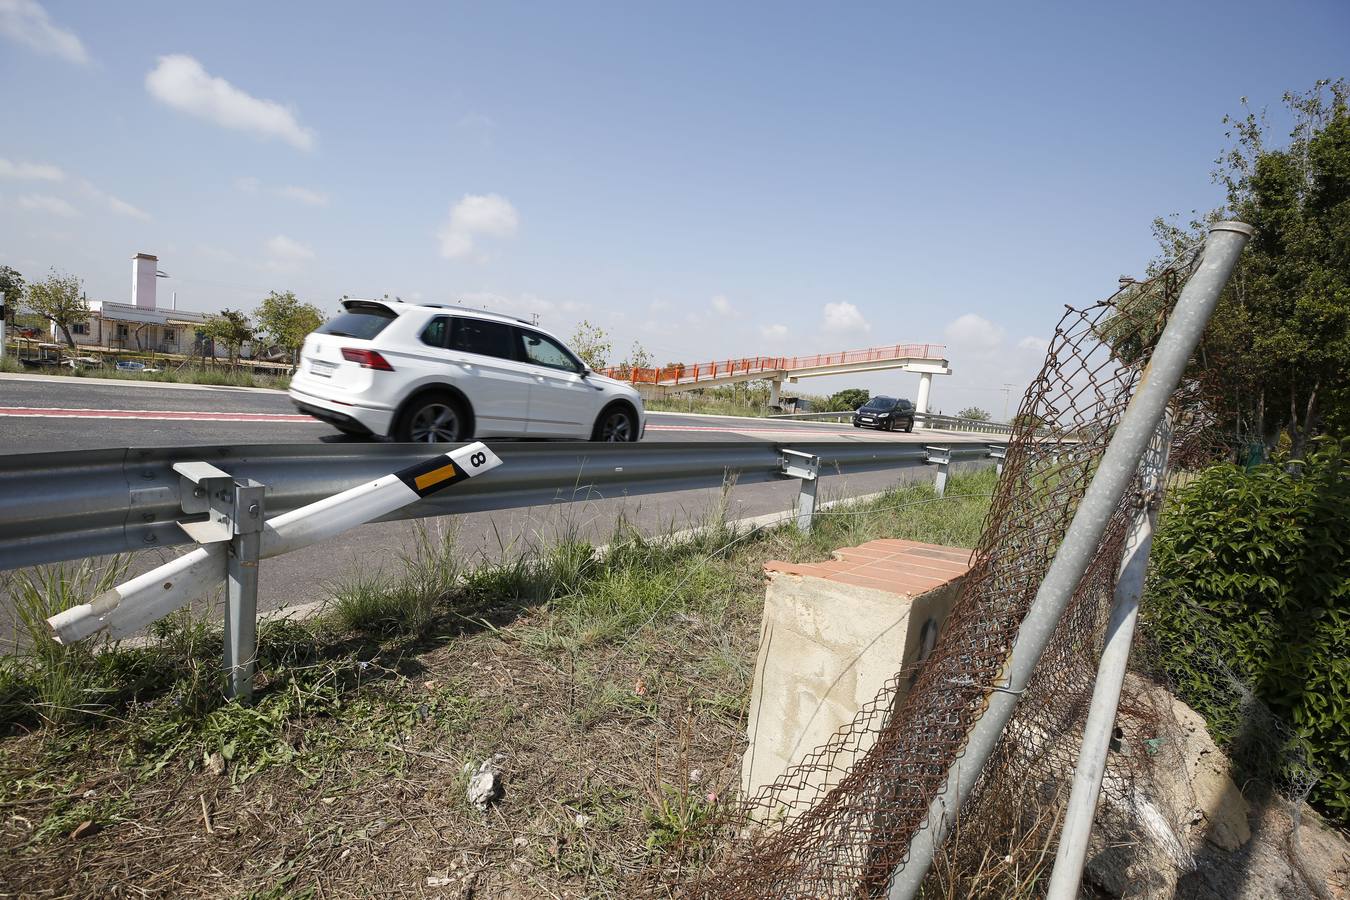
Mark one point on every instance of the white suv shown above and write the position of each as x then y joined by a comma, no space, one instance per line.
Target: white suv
445,373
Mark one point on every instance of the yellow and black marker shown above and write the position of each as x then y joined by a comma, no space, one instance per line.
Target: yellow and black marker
438,473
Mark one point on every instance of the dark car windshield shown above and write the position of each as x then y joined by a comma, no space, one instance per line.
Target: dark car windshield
362,322
880,403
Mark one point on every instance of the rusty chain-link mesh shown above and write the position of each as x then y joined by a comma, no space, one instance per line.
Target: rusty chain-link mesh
839,822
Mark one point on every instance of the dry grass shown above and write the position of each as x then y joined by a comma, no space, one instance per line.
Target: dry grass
614,689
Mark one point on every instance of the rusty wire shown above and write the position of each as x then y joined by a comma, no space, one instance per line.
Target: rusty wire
839,822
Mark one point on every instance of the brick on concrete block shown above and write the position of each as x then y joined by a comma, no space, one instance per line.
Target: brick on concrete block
833,633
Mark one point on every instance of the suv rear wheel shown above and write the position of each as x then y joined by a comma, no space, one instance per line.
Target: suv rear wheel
616,425
432,419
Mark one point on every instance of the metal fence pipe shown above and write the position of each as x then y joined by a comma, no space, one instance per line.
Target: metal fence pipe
1091,767
1081,542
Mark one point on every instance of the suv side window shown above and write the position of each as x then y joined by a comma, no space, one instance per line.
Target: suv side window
437,332
481,336
544,351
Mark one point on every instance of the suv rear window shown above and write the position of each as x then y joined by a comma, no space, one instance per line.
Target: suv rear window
362,322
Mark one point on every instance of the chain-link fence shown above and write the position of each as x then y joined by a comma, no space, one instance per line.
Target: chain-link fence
838,823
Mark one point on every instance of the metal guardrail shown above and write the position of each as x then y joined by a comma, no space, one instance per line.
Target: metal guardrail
78,504
928,420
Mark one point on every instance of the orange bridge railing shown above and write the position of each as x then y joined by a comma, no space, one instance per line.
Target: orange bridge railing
681,373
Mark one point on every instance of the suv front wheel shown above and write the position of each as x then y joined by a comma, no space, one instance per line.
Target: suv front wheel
432,419
616,425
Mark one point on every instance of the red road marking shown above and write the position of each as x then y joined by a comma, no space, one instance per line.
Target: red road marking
164,415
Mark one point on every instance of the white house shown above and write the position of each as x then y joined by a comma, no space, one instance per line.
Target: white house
140,324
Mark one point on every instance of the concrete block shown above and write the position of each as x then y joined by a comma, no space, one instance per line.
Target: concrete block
833,634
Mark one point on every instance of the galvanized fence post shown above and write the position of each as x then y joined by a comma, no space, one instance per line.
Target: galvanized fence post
1116,470
942,457
1091,767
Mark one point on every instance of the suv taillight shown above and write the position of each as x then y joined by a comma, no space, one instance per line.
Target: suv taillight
368,359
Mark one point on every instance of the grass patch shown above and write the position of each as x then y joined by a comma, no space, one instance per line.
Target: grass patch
174,371
612,687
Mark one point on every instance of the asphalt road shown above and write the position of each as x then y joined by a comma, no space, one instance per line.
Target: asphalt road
44,413
71,414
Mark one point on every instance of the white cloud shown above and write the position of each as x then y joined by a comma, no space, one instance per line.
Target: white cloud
48,204
842,318
29,171
116,204
247,184
180,81
1033,344
475,216
26,22
773,332
722,306
522,305
976,331
303,195
124,208
287,253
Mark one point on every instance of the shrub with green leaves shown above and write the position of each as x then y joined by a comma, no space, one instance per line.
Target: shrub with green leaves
1252,567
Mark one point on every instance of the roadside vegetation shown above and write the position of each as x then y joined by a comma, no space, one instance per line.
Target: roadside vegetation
1250,587
178,371
609,686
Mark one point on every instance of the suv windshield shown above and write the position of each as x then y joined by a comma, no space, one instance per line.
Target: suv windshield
362,322
880,403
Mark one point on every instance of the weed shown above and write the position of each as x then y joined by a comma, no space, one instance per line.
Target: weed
679,821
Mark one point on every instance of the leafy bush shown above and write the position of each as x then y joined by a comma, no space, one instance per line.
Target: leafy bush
1254,564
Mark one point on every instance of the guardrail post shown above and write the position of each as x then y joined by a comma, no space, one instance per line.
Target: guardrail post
942,457
241,578
805,466
998,452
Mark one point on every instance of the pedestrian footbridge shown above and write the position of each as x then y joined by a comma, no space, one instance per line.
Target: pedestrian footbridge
925,359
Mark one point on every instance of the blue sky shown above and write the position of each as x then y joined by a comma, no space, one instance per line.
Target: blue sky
708,179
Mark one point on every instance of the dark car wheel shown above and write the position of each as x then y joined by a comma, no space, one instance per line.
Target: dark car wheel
909,426
434,419
616,426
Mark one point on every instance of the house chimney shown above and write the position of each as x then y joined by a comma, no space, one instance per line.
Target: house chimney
143,268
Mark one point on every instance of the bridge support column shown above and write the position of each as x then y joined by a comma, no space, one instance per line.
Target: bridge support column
774,387
925,386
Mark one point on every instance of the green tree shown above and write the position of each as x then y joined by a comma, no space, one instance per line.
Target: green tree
974,414
849,398
1275,360
285,321
59,299
592,344
231,328
11,287
638,357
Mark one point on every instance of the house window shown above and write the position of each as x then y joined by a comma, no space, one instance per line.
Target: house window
121,332
170,336
80,328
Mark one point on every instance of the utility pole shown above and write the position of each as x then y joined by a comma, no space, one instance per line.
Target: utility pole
1007,392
